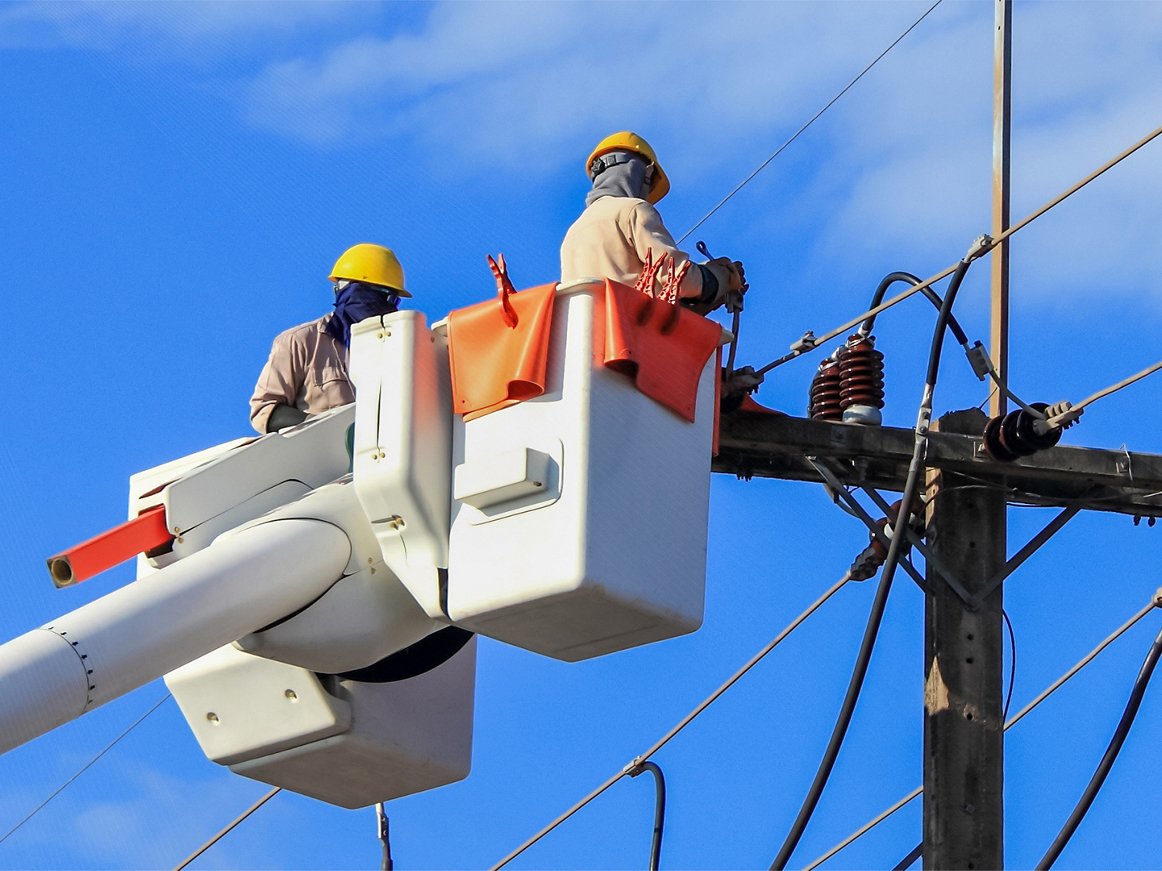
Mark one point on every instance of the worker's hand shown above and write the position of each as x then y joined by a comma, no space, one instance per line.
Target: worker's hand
284,416
735,274
735,388
744,380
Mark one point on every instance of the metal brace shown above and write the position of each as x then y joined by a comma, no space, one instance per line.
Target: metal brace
868,521
1017,560
929,558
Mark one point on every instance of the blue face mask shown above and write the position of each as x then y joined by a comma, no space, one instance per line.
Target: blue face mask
355,302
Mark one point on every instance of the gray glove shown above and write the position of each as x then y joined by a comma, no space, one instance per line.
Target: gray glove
744,380
736,387
729,281
284,416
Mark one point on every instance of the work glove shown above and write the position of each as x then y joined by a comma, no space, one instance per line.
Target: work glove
736,274
284,416
736,386
744,380
732,284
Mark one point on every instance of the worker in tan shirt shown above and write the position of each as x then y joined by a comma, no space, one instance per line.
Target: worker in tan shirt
620,226
307,370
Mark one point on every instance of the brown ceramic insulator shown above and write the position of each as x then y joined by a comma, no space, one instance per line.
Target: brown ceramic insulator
824,402
861,373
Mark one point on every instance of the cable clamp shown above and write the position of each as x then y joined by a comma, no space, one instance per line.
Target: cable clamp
634,767
980,246
805,343
978,358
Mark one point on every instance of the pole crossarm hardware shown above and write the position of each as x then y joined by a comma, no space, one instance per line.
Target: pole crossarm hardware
913,539
930,558
761,445
1034,544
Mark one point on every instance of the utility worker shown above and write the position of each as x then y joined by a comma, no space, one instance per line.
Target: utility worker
307,370
620,226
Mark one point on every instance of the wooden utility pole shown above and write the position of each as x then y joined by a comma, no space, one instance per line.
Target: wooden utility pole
963,654
999,261
963,751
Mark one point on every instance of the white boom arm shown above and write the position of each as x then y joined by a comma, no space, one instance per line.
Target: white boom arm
102,650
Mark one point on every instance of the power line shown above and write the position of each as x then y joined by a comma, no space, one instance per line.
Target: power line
238,820
803,346
1155,602
1104,392
84,768
639,761
1012,663
802,129
1108,758
659,810
863,659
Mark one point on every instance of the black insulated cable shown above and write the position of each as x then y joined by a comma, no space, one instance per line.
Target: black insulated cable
1108,758
1070,673
932,296
659,810
685,721
863,658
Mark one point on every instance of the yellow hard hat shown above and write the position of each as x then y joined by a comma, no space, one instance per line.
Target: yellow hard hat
627,141
371,263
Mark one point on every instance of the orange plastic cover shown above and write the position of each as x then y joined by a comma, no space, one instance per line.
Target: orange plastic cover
663,347
494,365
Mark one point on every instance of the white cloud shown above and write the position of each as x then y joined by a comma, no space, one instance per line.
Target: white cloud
903,162
495,81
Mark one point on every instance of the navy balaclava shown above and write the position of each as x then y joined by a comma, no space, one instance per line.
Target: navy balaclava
356,301
624,174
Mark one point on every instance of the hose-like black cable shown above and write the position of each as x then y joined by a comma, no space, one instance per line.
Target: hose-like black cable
891,278
1107,760
659,810
892,560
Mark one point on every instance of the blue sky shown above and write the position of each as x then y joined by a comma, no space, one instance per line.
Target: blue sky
177,180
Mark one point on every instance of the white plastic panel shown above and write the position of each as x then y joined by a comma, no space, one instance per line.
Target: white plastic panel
503,477
214,490
403,446
241,706
343,742
617,556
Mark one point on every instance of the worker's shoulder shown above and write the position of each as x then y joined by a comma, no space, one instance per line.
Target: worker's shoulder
618,204
302,333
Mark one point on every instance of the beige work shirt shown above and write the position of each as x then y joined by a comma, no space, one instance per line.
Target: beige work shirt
611,239
307,369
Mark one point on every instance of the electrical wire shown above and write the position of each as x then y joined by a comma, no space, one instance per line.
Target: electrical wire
802,347
803,129
84,768
1113,388
238,820
684,722
892,560
1108,758
1155,602
1012,663
659,810
970,351
932,296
